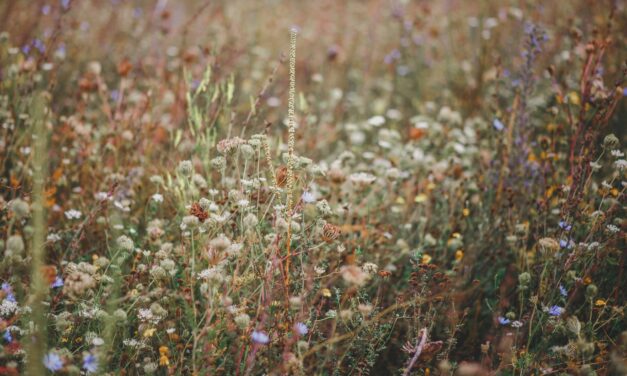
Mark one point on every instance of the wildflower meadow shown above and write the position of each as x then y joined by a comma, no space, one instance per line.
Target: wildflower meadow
282,187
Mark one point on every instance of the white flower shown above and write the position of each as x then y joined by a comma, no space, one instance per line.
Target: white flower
132,343
621,164
362,178
517,324
612,229
53,238
212,274
617,153
100,196
97,341
145,314
123,206
157,197
73,214
376,121
370,268
308,197
595,166
8,308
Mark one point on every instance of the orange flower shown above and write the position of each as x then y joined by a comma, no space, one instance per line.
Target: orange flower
163,359
459,255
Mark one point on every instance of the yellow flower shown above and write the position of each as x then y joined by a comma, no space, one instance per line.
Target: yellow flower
326,293
421,198
149,332
600,303
573,98
425,259
466,212
587,280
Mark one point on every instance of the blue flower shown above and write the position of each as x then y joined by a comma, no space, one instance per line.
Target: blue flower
58,282
7,336
90,363
556,310
565,225
301,328
563,291
504,320
260,337
498,125
53,362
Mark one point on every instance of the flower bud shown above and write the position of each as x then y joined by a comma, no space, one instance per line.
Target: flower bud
611,142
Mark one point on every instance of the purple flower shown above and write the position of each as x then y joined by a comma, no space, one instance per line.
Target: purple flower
65,4
260,337
7,336
45,9
58,282
53,362
565,225
301,328
556,310
39,45
8,291
563,291
504,320
394,55
498,125
90,363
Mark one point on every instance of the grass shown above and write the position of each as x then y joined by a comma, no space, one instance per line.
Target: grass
426,188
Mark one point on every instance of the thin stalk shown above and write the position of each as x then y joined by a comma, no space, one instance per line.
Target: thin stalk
37,345
290,149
